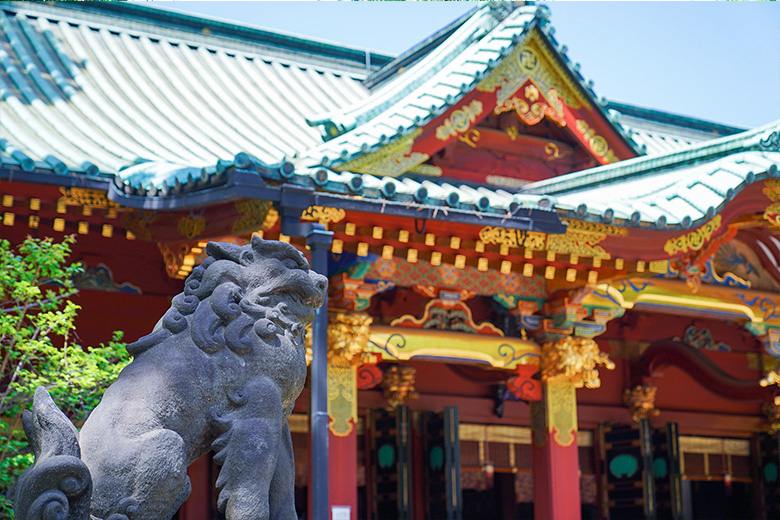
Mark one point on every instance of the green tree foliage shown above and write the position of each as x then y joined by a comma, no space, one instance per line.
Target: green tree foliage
38,349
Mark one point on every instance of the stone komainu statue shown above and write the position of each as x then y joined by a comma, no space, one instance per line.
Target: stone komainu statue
220,371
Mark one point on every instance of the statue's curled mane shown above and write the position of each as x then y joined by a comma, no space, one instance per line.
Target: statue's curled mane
214,306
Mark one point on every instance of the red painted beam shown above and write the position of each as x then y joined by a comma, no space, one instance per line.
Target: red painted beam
700,368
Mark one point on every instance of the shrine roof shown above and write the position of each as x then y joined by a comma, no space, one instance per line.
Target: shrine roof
656,132
83,97
678,189
94,87
422,84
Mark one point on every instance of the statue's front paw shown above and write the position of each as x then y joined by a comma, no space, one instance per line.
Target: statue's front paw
242,505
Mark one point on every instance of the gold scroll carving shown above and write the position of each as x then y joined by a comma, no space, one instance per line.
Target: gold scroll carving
694,240
513,237
772,413
597,144
574,241
323,214
190,226
392,160
459,121
348,338
772,212
173,257
87,197
578,243
532,107
255,215
594,227
137,222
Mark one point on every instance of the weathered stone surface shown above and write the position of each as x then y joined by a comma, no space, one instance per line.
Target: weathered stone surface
220,371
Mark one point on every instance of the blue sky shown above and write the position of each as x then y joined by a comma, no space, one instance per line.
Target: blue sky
715,60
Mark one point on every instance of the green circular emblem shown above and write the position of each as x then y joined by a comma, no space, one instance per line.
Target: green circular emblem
659,467
386,456
770,472
437,458
623,466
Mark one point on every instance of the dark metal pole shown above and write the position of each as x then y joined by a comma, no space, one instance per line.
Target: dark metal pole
319,240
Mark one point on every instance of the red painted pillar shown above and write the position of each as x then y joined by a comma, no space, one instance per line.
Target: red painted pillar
198,505
342,472
554,453
342,440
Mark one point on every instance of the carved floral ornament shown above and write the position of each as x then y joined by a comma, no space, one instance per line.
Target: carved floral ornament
532,106
772,412
348,339
574,359
398,385
640,400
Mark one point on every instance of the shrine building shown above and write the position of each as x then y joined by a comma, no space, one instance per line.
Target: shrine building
542,304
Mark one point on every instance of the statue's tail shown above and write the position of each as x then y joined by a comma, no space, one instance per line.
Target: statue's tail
58,484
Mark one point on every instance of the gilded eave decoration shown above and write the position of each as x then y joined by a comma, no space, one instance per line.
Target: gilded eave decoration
575,360
597,144
772,191
255,215
581,238
87,197
323,214
392,160
137,222
694,240
190,226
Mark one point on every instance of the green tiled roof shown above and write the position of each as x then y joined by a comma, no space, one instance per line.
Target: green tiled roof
90,89
677,189
149,102
655,132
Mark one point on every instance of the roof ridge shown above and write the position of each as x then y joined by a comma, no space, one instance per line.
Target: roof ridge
475,25
663,116
418,50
